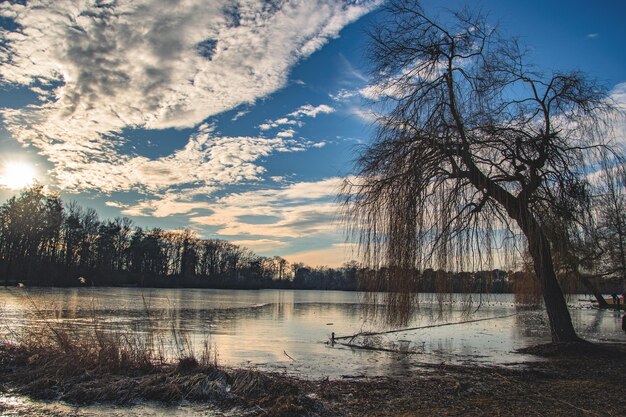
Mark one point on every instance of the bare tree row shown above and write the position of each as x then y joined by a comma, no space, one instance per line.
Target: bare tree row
45,242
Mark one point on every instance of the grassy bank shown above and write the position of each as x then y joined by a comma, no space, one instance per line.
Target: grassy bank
94,361
48,373
56,360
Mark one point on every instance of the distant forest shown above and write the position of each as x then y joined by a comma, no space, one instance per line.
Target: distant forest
44,242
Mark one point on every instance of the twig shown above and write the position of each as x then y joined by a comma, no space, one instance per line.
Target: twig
381,349
287,355
422,327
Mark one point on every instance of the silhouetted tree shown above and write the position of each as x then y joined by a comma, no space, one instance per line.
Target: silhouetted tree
44,242
474,146
30,227
610,205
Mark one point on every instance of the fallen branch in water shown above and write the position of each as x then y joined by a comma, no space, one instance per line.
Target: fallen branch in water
287,355
380,349
352,337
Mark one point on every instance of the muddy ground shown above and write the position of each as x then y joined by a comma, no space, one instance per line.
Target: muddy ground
572,380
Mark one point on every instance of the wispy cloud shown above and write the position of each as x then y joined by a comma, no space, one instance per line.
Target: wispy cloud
164,207
592,35
239,114
206,160
100,68
335,255
343,95
363,113
286,133
261,245
351,71
297,210
312,111
294,117
271,124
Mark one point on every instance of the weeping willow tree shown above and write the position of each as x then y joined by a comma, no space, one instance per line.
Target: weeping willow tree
475,154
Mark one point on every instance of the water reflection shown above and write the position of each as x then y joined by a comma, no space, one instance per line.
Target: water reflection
288,330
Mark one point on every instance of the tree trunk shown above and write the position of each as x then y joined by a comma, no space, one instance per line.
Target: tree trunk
560,320
517,208
594,290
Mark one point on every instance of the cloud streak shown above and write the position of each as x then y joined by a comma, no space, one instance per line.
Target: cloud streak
101,67
312,111
206,162
302,209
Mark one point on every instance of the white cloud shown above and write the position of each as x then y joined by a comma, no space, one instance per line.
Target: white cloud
115,204
380,91
206,161
302,209
239,114
278,122
164,207
305,110
343,95
593,35
311,111
286,133
618,95
150,64
365,114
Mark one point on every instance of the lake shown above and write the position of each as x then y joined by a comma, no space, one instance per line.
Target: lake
289,331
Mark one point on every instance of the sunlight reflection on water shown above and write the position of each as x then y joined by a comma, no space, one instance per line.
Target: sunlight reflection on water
289,331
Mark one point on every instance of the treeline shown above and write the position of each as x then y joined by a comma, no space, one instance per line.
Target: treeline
46,242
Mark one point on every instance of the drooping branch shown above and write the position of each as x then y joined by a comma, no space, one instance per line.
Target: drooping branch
474,148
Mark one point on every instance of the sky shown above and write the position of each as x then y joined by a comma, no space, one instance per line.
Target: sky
237,119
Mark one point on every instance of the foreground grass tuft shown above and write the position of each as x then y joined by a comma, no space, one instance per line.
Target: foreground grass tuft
58,361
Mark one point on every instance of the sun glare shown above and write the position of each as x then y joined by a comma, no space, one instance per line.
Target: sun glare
17,175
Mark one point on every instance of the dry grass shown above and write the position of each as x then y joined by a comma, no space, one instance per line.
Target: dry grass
50,373
60,360
97,346
575,380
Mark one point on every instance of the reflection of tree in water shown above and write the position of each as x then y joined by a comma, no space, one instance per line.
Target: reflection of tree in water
531,324
594,326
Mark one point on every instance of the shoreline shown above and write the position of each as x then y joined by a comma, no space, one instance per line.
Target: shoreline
575,379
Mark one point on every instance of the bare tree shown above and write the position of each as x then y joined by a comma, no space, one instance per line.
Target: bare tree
592,250
474,149
611,207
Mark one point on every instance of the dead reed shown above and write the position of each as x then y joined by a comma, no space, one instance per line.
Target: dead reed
56,359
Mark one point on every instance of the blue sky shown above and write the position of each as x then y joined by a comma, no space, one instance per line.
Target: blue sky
236,119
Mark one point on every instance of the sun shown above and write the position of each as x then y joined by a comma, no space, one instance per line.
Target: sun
17,175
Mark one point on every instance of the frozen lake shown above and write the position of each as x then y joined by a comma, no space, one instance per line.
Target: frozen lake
290,330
